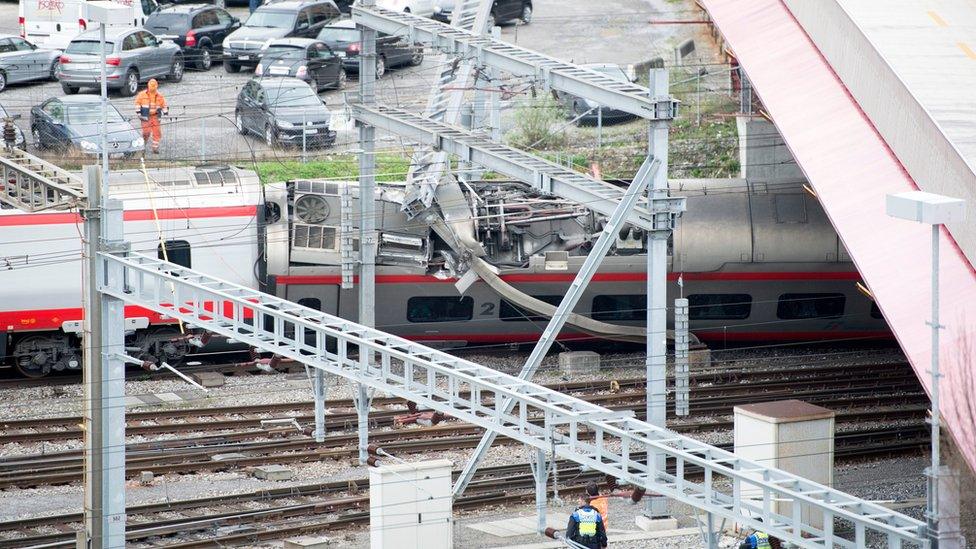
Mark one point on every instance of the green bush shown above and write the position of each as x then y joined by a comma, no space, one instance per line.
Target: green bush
537,124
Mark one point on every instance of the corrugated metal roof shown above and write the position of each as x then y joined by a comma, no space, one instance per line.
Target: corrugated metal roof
852,169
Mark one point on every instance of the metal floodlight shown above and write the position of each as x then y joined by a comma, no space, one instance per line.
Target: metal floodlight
928,208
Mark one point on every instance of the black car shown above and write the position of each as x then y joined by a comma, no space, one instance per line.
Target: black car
502,11
199,29
303,58
391,51
282,111
286,19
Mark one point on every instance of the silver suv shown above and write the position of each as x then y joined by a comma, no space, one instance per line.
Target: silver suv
132,56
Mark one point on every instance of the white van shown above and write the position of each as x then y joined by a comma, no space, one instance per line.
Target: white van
53,23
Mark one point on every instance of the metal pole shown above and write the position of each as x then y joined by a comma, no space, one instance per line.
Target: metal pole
367,221
711,537
657,271
304,140
318,388
933,491
203,139
104,377
698,99
539,470
599,127
104,129
495,100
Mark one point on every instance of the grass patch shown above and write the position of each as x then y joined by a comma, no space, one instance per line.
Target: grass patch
388,168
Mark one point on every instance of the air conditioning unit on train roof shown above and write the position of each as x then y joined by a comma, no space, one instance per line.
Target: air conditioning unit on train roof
316,222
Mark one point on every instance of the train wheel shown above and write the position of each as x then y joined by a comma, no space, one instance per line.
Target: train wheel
162,344
34,356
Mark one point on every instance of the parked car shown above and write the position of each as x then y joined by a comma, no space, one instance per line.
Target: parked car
285,19
310,60
19,141
53,24
198,29
282,110
502,11
391,51
133,56
586,110
21,61
74,123
423,8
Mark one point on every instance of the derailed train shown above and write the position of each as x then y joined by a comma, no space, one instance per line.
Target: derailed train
757,262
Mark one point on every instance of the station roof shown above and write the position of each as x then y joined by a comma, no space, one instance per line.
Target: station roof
852,169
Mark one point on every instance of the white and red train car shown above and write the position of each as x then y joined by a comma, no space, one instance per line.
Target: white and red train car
207,218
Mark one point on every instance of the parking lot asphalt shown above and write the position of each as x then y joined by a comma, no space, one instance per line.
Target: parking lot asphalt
201,128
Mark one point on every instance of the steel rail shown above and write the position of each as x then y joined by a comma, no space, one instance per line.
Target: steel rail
433,378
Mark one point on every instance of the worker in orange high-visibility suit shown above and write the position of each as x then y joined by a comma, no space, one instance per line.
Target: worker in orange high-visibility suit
151,105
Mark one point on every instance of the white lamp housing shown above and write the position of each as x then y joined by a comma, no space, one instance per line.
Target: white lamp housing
107,13
928,208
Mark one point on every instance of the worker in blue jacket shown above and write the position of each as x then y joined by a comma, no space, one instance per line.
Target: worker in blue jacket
586,526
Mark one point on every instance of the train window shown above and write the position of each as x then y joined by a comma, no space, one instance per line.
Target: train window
311,303
439,309
509,312
796,306
178,251
875,311
719,306
620,307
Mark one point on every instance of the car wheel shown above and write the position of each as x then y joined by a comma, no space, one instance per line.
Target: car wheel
418,57
231,67
239,122
3,81
204,59
176,69
36,135
55,69
341,84
526,14
70,90
269,136
130,83
380,66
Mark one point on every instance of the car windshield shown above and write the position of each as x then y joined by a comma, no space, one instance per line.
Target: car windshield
88,47
271,20
613,72
284,52
90,114
166,21
282,97
339,34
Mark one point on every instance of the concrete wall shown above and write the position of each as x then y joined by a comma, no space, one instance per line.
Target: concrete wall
763,156
911,133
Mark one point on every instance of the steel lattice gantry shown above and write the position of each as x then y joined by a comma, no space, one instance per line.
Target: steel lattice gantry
542,174
587,434
33,185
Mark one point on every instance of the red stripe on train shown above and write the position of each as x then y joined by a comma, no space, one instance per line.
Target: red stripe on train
53,319
303,280
18,220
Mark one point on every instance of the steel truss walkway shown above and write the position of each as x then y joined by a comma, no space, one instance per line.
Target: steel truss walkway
542,174
732,487
31,184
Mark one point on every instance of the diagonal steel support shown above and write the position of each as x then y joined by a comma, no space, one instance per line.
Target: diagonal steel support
32,184
542,418
593,260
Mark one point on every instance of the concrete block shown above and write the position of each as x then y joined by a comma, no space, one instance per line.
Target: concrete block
579,362
309,542
648,524
227,457
208,379
146,477
273,472
700,358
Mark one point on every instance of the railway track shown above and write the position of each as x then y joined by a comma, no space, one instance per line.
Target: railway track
287,511
709,390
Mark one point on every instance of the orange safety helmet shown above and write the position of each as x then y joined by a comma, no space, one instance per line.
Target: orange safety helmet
153,85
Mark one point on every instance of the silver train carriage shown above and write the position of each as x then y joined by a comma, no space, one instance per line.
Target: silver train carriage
758,263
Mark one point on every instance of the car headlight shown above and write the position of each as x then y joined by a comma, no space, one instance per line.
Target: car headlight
284,124
88,145
138,142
